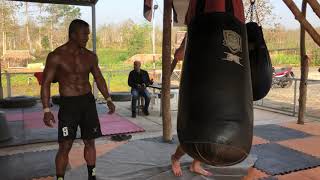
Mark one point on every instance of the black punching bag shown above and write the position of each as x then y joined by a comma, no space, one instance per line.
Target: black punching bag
215,116
260,62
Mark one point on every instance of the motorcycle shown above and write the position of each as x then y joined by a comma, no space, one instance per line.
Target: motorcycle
282,77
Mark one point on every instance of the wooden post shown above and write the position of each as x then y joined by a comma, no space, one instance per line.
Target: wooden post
166,62
315,6
301,18
304,69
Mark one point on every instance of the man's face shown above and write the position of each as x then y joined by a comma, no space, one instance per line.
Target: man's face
81,36
136,66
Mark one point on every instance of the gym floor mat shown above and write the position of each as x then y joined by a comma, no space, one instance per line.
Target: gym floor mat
269,178
309,145
275,159
141,159
273,132
159,139
28,165
308,127
22,134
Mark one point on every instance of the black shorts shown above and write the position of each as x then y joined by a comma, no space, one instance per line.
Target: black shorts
78,111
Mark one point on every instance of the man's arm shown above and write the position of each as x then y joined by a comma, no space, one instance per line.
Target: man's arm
101,84
99,79
148,79
179,54
130,80
48,76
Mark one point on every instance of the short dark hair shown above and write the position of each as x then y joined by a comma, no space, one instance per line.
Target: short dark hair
75,25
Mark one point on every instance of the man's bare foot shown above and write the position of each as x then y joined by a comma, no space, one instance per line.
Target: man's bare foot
196,168
175,166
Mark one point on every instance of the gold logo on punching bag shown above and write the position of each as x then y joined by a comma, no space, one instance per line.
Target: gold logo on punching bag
232,40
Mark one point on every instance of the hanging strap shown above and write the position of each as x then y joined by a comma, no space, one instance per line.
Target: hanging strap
175,15
201,4
229,7
251,11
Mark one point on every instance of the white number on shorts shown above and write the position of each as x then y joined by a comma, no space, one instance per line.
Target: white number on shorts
65,131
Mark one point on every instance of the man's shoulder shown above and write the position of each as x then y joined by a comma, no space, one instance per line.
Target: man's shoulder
59,51
55,55
89,52
144,71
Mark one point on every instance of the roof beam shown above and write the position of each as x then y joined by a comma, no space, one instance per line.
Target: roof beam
67,2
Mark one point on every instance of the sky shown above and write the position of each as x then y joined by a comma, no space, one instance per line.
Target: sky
115,11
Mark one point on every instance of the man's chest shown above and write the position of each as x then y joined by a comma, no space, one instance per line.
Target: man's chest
76,64
139,76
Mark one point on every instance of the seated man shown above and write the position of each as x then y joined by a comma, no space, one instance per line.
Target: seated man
138,81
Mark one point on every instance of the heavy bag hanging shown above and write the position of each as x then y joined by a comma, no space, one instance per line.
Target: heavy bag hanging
215,102
260,61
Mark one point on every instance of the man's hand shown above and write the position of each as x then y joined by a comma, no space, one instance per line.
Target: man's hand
179,54
144,86
111,107
48,119
138,86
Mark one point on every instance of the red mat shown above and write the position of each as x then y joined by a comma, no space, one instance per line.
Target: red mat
34,120
110,124
115,124
18,116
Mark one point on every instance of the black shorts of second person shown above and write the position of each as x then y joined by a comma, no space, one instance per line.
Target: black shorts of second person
78,111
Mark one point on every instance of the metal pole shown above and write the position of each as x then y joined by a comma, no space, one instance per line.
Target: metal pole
109,77
154,47
94,44
294,98
153,41
8,84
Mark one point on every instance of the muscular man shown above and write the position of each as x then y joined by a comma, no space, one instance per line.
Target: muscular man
71,64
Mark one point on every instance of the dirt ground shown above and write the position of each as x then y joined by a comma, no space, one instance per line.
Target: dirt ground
283,98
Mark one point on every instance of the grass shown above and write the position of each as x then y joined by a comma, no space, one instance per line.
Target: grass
285,59
112,56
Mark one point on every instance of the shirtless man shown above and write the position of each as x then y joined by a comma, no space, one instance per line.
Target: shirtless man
71,64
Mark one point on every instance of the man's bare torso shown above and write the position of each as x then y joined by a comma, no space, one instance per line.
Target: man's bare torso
72,71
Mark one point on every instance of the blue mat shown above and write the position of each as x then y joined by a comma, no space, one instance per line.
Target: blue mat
269,178
273,132
28,165
275,159
159,139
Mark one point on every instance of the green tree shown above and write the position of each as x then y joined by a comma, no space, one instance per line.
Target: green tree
139,41
8,20
59,17
45,42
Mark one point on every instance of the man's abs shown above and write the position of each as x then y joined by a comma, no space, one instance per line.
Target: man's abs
69,88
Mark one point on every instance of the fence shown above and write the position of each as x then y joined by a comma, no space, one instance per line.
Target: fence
24,83
280,99
285,100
